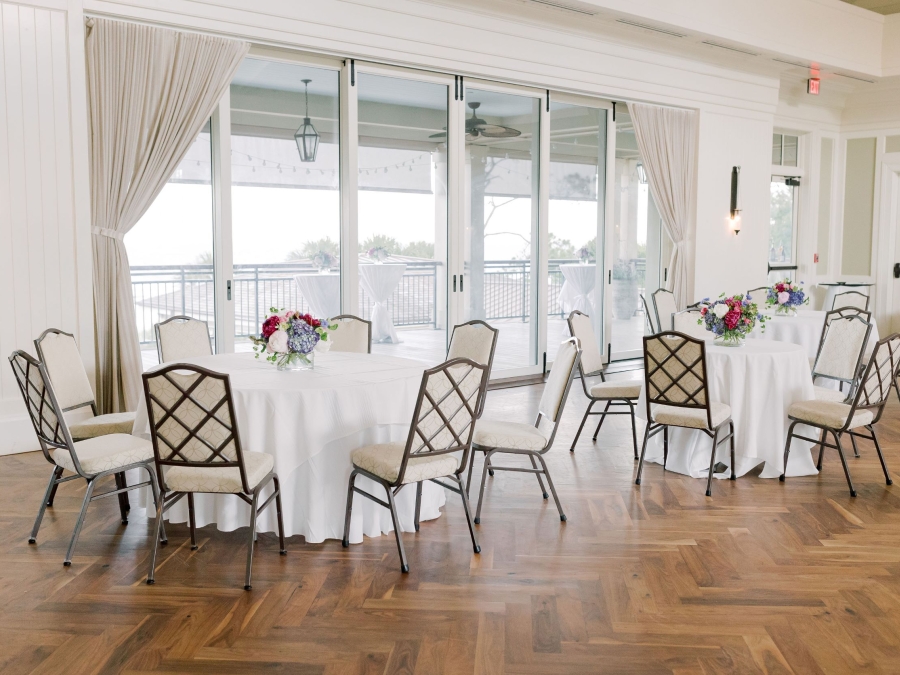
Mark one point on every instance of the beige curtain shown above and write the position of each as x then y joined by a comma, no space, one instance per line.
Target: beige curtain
667,140
150,91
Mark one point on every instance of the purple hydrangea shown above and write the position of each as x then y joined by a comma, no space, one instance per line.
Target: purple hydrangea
302,337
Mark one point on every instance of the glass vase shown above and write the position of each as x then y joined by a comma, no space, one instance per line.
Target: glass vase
296,361
730,340
784,310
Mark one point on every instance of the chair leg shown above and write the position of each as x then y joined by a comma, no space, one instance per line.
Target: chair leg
345,542
665,447
897,389
633,430
581,426
160,504
821,450
84,506
602,420
157,499
887,475
484,473
787,449
471,467
562,516
712,463
855,449
251,542
192,522
733,474
53,493
46,501
540,482
840,449
637,480
282,550
468,510
123,497
123,503
404,566
418,503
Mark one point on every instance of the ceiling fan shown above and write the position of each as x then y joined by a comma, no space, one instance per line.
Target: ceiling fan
475,127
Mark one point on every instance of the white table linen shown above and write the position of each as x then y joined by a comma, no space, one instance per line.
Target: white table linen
759,380
322,293
805,330
577,292
311,421
379,282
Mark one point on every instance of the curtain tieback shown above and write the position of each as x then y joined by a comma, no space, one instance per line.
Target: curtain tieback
106,232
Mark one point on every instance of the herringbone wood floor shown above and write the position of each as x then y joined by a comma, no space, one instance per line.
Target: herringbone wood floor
763,577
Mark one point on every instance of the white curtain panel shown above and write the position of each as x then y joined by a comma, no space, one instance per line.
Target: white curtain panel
667,140
150,91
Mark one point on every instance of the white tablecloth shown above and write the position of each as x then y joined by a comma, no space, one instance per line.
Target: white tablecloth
379,282
805,330
759,380
322,293
311,421
577,289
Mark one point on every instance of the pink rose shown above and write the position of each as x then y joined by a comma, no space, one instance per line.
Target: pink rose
270,325
731,319
783,297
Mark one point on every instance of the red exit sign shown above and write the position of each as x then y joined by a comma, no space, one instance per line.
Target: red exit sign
812,86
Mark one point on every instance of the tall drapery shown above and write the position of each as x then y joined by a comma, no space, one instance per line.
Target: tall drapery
667,140
150,91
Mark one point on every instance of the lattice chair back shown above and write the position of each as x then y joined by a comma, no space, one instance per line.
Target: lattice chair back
62,362
192,420
444,418
851,299
879,376
675,371
841,348
352,335
40,401
665,306
182,337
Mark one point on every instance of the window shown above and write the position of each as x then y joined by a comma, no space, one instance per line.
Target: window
785,149
783,227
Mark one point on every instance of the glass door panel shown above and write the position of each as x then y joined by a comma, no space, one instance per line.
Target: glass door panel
169,280
576,223
782,228
286,208
402,222
500,250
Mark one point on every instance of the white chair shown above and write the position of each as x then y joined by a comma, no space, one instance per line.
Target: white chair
438,445
678,396
182,337
650,317
840,353
664,305
197,448
91,459
763,291
475,340
352,335
851,299
686,322
515,438
617,393
862,412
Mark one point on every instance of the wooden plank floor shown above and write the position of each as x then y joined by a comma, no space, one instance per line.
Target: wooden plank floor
762,578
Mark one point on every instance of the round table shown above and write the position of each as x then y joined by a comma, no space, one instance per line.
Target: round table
578,288
379,281
322,293
311,421
805,330
759,380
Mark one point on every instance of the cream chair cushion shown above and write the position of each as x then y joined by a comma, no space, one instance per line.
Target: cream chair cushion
515,435
105,453
180,340
695,418
226,480
351,335
384,460
66,370
560,375
829,414
471,341
826,394
101,425
583,329
618,389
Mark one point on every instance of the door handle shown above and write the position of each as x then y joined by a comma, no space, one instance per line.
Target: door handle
454,283
461,283
228,289
897,270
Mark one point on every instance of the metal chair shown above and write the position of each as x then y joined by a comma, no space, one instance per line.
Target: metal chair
763,289
653,328
182,337
863,412
686,322
851,299
678,396
197,448
91,459
475,340
516,438
442,425
840,353
618,393
352,335
665,306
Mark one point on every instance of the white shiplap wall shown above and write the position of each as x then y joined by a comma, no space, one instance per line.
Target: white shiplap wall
44,242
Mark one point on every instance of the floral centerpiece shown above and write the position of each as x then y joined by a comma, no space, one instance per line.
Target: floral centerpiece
584,255
730,319
378,253
291,339
324,260
786,296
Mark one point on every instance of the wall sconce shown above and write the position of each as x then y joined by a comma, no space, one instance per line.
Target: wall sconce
734,219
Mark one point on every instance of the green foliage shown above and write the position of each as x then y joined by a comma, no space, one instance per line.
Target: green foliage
561,248
419,249
310,248
205,258
414,249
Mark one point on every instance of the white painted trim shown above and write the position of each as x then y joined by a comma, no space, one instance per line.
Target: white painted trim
885,236
349,140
